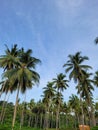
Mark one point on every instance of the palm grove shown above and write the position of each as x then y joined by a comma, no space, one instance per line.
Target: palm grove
19,74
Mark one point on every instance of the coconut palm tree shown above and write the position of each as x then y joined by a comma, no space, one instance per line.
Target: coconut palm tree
21,72
86,88
60,83
31,105
49,93
26,76
39,111
45,101
74,104
7,61
58,100
65,110
75,67
86,92
77,71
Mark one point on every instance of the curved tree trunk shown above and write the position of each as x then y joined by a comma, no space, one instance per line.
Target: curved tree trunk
2,111
5,109
15,109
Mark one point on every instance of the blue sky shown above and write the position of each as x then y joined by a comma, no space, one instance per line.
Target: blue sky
53,29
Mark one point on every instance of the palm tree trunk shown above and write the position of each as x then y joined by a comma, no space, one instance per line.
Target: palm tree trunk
36,124
51,119
15,109
93,117
81,106
57,117
40,121
46,119
22,115
21,121
66,121
82,113
29,121
2,111
77,118
5,109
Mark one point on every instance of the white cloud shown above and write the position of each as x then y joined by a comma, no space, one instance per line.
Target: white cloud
69,6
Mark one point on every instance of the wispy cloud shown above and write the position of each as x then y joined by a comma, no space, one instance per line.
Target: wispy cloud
69,7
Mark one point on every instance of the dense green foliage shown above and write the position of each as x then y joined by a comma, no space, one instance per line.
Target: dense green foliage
94,128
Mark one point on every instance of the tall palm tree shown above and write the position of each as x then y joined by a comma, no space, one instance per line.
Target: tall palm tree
21,72
75,67
60,83
86,92
86,87
77,71
26,76
7,63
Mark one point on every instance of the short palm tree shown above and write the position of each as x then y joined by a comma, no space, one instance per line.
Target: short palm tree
49,90
74,104
31,105
45,101
66,110
60,83
49,93
58,101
